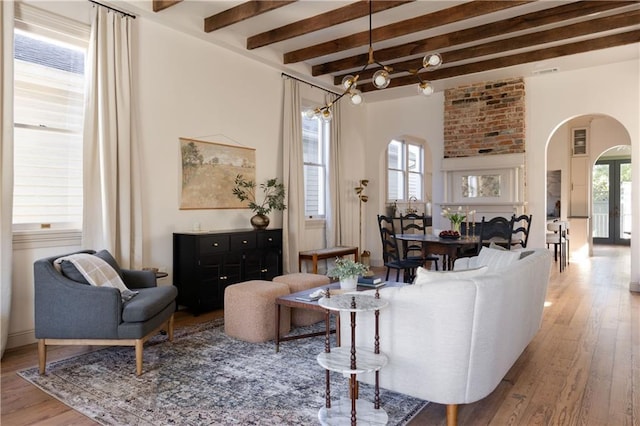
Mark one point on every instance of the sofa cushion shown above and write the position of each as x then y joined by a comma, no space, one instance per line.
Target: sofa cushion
148,303
70,271
496,259
424,276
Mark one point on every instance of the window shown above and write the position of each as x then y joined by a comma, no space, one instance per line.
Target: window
315,142
48,121
405,171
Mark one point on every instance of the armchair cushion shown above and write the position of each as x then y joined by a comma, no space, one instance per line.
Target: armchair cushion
148,303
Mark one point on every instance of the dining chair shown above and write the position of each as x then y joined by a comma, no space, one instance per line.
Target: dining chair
557,236
414,223
521,227
496,230
391,253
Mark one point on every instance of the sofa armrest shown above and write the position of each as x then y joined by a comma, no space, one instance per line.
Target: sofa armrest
139,279
67,309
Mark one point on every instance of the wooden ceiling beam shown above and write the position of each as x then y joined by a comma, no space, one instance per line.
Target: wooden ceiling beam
241,12
606,42
470,35
320,22
420,23
621,20
159,5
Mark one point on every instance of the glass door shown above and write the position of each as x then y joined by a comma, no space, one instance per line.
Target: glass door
612,202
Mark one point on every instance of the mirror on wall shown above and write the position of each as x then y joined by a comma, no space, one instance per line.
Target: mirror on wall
554,185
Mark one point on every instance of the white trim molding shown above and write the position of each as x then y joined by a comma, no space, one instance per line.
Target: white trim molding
505,170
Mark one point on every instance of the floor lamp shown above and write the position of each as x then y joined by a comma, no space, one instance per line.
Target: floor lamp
365,255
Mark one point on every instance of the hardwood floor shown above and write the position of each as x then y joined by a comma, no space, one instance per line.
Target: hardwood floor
583,367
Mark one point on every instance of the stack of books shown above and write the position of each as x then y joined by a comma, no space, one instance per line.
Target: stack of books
370,282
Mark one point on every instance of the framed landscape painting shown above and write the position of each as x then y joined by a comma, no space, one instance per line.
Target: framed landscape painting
208,173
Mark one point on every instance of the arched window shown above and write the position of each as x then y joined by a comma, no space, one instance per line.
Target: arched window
405,171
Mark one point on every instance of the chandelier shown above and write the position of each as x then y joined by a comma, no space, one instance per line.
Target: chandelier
380,80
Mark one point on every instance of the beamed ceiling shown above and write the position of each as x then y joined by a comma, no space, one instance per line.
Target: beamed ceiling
322,41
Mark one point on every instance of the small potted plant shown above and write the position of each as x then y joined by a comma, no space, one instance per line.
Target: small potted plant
347,271
273,199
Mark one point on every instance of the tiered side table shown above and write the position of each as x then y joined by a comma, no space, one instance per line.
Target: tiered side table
353,360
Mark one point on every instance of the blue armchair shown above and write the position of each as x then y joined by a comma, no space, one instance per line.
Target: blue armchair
70,312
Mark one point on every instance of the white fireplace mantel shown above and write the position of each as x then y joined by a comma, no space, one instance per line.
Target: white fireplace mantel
503,197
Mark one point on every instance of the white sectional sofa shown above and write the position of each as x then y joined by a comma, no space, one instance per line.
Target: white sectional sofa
452,336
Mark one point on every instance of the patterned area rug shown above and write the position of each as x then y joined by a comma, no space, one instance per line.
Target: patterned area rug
205,378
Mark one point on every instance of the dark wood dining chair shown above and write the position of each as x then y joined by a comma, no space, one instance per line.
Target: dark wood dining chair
413,223
391,252
521,227
497,230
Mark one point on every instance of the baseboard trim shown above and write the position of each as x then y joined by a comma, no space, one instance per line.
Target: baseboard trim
22,338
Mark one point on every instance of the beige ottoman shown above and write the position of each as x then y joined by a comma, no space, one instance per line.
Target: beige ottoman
250,310
298,282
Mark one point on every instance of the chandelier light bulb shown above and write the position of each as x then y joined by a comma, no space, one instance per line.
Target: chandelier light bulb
381,79
326,114
356,97
432,61
426,88
310,113
349,82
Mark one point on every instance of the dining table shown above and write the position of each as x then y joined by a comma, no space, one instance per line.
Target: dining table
449,248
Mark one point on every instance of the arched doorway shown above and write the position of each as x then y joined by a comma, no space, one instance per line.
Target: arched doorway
572,152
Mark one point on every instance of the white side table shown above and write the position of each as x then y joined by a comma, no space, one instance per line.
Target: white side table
353,360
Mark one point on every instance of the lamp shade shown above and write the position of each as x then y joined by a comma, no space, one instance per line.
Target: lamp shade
432,61
349,82
381,79
426,88
356,97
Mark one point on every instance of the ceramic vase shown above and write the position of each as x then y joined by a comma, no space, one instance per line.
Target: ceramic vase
259,221
349,283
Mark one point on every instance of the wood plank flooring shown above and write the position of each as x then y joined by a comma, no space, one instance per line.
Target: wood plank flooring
582,368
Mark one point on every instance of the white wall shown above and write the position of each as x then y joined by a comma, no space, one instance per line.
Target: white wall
189,88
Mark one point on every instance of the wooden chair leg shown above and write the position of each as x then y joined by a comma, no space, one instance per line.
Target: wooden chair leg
139,348
42,356
452,414
170,329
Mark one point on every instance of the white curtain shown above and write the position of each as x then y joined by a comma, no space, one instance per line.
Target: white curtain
6,168
293,176
334,223
112,207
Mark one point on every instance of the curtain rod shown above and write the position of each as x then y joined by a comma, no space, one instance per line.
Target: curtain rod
284,74
113,8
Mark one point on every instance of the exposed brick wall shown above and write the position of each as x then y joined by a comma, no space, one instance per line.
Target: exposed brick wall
484,119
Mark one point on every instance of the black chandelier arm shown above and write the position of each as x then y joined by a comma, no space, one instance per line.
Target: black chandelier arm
381,76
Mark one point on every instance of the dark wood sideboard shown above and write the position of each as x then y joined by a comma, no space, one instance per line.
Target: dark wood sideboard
205,263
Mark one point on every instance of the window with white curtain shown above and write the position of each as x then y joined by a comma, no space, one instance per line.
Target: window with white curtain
405,171
315,143
49,86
